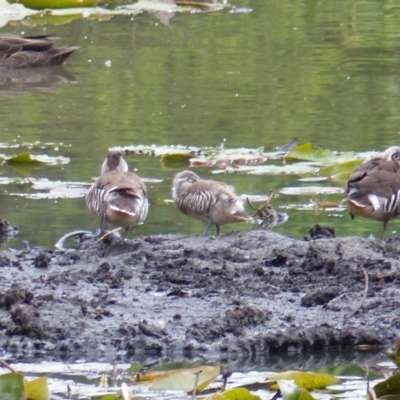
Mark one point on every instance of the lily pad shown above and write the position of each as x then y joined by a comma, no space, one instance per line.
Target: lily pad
37,389
12,386
240,394
15,12
307,152
184,379
390,386
175,160
28,158
42,4
308,380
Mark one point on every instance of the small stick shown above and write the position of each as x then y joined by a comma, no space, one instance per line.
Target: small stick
60,244
108,233
196,382
6,365
363,298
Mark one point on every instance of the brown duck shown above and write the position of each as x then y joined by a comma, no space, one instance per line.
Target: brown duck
373,189
209,201
118,196
31,51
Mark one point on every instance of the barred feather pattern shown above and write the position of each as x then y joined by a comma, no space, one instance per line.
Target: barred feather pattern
373,189
117,196
197,204
385,208
209,201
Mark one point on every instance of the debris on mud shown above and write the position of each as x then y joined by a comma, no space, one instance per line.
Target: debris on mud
7,231
239,295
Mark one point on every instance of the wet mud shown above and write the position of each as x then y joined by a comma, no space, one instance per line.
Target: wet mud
240,295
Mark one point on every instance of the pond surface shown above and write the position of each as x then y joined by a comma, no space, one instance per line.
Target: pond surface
82,379
320,71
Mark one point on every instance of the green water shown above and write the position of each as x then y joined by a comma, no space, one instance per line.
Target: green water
325,72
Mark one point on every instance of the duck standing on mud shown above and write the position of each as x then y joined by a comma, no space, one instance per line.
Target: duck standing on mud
118,196
209,201
31,51
373,189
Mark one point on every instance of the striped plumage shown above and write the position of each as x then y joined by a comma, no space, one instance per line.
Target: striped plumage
209,201
31,51
373,189
118,196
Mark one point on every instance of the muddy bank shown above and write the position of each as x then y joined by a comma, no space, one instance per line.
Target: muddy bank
242,294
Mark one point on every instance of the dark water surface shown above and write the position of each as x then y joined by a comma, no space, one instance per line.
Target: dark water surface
325,72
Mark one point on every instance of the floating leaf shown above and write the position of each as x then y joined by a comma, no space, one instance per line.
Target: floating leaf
184,379
240,394
24,169
308,380
23,158
27,157
341,178
12,386
45,19
390,386
350,370
346,167
177,160
290,391
42,4
37,389
307,152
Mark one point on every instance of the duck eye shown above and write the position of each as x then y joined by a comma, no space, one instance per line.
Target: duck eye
396,156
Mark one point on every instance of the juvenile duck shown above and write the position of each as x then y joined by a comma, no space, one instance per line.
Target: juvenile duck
209,201
373,189
118,196
31,51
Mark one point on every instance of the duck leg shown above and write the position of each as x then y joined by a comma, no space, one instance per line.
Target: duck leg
385,226
102,224
208,226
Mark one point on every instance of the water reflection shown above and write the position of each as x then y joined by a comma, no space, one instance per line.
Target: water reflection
40,80
326,74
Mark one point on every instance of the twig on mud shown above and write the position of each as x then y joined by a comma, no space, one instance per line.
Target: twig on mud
147,330
60,244
6,365
108,233
346,319
196,382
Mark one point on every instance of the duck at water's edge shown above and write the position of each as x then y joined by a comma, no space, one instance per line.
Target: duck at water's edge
373,189
118,196
209,201
34,51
